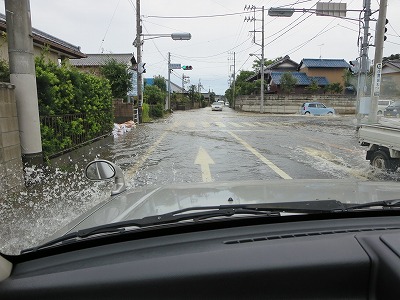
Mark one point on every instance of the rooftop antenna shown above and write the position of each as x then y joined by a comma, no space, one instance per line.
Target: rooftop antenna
320,47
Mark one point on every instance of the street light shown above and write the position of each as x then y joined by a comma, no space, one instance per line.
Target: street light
280,12
183,36
180,36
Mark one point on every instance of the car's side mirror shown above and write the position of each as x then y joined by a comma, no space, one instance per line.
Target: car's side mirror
98,170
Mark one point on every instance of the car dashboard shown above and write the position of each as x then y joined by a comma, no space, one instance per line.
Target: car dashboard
301,258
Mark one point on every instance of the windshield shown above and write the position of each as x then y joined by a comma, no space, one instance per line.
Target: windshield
140,93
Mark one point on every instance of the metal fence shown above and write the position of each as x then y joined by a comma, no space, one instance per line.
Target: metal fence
73,127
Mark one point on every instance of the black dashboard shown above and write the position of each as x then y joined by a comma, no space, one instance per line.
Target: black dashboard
340,258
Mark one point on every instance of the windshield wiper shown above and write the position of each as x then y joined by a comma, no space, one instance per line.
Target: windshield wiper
383,204
200,213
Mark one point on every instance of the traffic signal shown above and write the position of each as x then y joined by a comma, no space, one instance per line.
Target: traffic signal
354,66
187,67
385,30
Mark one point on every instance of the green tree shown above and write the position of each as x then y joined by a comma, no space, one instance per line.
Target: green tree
334,88
288,82
153,95
391,57
119,77
313,87
212,97
161,83
267,62
194,95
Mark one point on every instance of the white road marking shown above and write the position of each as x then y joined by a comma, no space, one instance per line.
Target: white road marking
266,161
204,160
235,124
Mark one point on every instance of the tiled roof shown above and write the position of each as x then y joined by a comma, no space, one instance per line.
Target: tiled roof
41,38
302,78
321,80
324,63
278,63
393,63
93,60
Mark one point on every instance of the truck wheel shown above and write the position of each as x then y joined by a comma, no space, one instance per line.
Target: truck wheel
381,160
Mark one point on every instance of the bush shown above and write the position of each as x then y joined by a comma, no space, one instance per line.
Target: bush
63,90
145,113
156,111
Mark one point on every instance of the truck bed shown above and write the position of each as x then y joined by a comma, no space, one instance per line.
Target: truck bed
385,133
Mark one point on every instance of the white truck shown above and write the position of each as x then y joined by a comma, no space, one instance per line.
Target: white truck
383,142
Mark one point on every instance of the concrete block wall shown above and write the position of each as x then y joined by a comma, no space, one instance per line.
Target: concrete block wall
291,104
11,169
122,111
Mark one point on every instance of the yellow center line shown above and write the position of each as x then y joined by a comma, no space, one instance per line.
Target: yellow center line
220,124
266,161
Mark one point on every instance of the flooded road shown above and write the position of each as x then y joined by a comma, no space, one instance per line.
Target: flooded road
192,146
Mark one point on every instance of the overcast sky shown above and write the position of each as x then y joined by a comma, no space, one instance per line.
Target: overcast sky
110,27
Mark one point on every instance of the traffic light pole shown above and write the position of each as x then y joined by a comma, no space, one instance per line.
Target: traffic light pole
376,84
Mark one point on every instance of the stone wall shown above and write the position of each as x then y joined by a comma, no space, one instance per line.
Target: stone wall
291,104
11,170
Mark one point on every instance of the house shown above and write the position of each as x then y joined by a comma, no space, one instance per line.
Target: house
391,77
332,69
284,64
273,80
56,49
174,87
92,63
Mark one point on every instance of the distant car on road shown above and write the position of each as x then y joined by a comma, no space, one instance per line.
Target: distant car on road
392,110
217,106
316,108
382,104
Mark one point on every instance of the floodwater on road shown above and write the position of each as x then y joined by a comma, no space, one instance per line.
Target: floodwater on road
191,146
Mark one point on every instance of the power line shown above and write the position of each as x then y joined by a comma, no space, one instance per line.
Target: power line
196,17
109,24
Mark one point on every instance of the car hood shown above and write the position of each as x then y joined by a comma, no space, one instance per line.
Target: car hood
136,204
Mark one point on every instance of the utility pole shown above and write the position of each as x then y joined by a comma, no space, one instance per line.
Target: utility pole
252,7
379,40
234,79
139,59
23,76
364,63
262,63
169,82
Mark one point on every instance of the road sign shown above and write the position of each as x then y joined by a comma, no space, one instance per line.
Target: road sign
377,79
174,66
